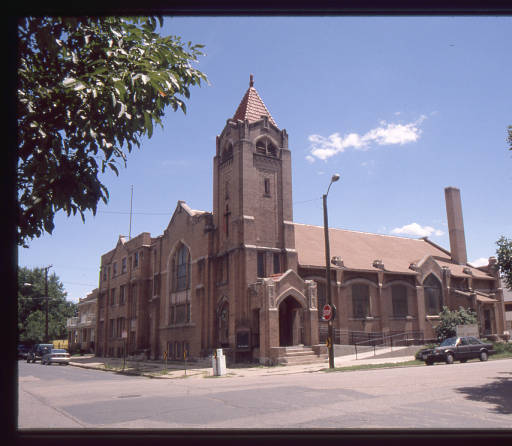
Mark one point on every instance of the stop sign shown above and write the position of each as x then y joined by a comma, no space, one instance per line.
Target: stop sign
327,312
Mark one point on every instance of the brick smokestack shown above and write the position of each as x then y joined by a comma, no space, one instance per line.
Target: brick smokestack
455,225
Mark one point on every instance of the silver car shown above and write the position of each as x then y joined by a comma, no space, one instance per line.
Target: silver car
57,356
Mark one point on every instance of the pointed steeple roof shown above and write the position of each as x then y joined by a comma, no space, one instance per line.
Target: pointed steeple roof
252,107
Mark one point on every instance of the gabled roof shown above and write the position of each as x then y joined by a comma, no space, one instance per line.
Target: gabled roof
359,250
252,107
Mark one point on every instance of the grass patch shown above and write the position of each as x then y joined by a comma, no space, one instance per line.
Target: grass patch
412,363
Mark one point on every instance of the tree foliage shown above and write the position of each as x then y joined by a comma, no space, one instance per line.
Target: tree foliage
88,90
504,255
451,318
32,306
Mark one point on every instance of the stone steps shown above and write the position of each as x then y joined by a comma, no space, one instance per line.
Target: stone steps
299,355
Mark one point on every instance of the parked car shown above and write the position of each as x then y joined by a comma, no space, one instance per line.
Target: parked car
23,351
57,356
456,349
38,351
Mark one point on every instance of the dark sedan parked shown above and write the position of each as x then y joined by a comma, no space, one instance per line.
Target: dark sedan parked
457,349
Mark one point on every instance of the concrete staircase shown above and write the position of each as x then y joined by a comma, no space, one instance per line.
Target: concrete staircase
298,354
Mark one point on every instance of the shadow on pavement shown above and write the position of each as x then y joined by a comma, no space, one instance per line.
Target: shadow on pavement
498,393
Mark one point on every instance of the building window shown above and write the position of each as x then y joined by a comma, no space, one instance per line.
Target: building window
261,264
321,298
433,295
114,268
120,327
156,285
200,271
399,299
112,297
136,260
227,153
104,270
277,263
226,220
266,183
123,265
112,327
181,268
360,300
122,295
133,309
265,147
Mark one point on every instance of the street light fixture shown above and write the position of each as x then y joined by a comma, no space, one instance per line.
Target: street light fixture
330,337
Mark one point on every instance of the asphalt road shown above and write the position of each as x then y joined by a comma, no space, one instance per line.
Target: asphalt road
471,395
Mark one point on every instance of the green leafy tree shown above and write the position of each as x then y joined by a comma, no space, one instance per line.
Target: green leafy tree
32,306
451,318
88,90
504,254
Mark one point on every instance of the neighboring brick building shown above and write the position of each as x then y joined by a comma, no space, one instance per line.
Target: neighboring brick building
247,278
82,329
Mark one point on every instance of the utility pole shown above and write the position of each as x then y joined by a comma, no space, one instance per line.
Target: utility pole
46,298
131,201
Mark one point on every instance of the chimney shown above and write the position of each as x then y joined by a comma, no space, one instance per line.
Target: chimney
455,225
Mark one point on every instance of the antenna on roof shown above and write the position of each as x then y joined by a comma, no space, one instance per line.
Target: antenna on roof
131,200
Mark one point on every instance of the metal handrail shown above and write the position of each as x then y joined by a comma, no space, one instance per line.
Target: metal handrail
385,338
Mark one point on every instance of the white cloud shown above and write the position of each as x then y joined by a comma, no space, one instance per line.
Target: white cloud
482,261
310,158
386,134
417,230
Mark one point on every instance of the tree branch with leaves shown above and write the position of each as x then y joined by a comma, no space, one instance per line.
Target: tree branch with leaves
504,257
89,89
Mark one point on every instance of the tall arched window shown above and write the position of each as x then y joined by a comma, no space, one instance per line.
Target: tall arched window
433,295
181,263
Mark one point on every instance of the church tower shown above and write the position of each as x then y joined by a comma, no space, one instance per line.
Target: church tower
252,197
252,209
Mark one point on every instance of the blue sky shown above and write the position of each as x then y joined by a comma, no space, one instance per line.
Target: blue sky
400,107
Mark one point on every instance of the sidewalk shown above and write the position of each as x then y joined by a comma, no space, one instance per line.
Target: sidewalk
157,369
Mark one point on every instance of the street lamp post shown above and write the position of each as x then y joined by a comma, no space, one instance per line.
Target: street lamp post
330,337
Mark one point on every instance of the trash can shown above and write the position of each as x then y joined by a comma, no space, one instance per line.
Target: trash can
219,363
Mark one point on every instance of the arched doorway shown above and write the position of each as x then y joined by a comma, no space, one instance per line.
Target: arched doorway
290,322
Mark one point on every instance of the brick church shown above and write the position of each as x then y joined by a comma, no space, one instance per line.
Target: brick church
247,278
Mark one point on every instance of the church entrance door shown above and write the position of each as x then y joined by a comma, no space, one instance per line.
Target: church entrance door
290,322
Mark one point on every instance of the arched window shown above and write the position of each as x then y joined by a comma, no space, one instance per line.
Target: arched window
181,269
399,300
360,300
265,147
223,324
433,295
227,153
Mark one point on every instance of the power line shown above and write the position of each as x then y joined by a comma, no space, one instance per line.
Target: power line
168,213
139,213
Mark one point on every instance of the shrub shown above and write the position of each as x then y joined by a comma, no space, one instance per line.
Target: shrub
451,318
